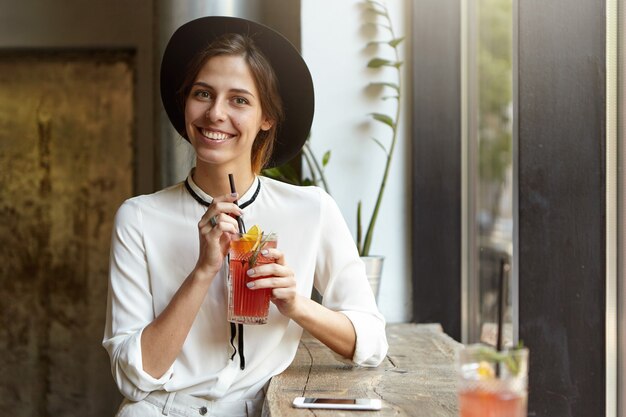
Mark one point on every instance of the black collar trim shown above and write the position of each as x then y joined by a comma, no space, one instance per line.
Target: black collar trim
207,203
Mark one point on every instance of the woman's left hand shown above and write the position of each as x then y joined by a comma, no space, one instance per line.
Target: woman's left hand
332,328
280,278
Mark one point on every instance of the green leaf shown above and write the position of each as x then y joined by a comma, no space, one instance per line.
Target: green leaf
272,172
290,173
255,254
379,62
383,118
393,43
381,145
284,173
396,42
307,181
325,158
489,354
372,3
382,84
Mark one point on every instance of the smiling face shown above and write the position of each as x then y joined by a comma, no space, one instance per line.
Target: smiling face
223,113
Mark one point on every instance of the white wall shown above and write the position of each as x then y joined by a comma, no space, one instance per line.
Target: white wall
334,46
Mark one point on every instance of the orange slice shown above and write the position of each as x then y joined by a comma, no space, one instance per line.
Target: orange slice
253,235
485,370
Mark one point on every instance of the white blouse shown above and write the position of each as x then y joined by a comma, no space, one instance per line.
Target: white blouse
155,247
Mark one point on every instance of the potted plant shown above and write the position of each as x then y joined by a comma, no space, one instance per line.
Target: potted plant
315,166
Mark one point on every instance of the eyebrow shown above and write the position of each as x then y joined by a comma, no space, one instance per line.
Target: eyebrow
232,90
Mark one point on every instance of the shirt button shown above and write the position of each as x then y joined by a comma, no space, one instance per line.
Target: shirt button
203,410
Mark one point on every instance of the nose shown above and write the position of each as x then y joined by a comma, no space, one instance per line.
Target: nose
216,111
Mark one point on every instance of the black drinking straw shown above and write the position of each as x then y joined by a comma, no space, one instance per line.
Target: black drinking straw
242,227
504,267
239,327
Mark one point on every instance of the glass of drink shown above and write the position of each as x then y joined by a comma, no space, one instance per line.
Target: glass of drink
245,305
492,383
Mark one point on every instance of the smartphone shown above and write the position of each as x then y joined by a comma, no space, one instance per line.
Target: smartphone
337,403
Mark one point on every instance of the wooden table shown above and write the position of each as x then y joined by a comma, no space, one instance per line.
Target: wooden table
417,378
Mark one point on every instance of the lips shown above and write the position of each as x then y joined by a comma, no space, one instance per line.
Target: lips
216,135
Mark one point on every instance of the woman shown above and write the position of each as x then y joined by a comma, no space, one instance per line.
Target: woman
243,97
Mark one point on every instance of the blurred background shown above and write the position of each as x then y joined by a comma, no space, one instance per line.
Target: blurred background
500,138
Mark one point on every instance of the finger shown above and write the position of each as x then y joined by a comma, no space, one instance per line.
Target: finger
258,284
213,221
274,254
227,207
283,293
223,227
230,198
220,228
218,208
272,282
219,218
267,270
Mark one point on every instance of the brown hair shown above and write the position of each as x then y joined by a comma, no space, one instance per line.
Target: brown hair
264,78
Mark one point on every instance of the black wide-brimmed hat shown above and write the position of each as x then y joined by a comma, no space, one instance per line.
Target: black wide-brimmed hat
292,73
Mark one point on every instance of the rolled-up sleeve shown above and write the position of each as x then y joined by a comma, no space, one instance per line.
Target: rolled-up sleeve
341,279
129,306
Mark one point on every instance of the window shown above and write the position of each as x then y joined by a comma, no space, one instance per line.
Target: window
488,196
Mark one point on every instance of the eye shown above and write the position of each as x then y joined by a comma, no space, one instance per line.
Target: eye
240,101
201,94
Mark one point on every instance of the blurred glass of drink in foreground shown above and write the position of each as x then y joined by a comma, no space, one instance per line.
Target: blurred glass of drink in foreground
245,305
492,383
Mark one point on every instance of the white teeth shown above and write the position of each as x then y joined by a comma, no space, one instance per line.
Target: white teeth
215,135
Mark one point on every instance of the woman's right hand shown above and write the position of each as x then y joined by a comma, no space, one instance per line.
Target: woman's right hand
215,239
163,339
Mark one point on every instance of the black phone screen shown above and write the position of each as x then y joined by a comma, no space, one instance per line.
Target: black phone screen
330,401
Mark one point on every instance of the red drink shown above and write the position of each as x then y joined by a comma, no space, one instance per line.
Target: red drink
482,403
492,383
245,305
